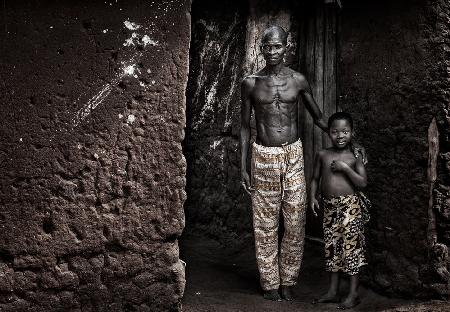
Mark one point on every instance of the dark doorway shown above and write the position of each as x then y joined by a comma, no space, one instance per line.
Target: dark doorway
225,48
217,243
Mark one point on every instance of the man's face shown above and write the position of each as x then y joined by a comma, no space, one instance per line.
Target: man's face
273,49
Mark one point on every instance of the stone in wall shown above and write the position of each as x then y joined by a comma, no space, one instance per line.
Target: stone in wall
92,170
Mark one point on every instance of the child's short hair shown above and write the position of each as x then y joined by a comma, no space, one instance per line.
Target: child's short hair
340,116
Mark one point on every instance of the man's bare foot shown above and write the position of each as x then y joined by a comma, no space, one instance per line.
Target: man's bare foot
286,292
272,295
329,297
349,302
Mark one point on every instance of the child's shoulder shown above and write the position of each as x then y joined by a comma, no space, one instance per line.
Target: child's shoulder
325,152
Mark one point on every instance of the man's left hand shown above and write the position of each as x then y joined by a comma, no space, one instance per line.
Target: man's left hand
359,149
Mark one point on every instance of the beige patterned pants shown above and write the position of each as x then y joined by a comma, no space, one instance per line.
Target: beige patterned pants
279,185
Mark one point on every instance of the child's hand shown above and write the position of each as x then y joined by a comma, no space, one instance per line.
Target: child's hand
338,165
314,205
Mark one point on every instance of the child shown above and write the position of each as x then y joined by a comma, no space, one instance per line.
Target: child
340,174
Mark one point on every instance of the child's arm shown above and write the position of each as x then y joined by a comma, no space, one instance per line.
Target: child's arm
313,203
357,176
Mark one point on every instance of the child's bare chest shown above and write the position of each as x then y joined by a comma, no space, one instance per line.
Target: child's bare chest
347,158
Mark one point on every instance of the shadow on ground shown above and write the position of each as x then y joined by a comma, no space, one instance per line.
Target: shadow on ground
224,280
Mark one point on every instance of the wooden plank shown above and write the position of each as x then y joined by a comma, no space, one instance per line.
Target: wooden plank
310,75
329,66
319,71
433,154
302,68
315,223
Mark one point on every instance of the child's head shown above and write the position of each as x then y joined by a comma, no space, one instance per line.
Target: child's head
340,127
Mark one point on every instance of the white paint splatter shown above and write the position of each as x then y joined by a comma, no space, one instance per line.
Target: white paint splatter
131,118
95,155
92,104
135,39
20,140
131,25
153,81
79,146
147,40
120,116
216,143
130,70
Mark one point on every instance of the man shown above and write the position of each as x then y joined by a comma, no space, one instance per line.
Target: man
278,181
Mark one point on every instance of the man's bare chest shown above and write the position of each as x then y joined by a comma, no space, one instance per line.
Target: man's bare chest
273,90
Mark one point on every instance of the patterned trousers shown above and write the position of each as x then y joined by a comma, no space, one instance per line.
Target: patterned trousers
278,181
343,229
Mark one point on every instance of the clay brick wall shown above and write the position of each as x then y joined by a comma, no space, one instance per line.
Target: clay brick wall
92,171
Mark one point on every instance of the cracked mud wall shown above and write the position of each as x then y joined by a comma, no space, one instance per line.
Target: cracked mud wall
92,170
394,80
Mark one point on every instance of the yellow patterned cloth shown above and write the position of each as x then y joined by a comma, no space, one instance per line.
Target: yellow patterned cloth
278,181
343,227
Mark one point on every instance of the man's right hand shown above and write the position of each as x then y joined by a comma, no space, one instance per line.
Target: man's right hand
245,182
314,205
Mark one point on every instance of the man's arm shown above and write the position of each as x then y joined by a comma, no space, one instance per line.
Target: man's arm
314,204
244,135
310,103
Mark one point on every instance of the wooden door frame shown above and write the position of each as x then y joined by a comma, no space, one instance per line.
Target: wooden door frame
318,59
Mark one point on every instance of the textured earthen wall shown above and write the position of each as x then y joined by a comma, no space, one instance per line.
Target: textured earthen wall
394,80
215,204
92,171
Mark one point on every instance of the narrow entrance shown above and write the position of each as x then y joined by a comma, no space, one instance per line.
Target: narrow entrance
225,48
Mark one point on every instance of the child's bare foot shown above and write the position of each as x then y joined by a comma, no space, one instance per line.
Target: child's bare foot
272,295
349,302
329,297
286,292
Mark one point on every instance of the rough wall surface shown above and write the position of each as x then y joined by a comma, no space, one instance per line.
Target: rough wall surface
215,204
438,34
393,84
92,171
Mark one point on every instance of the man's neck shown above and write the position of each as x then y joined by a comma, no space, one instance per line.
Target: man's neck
274,70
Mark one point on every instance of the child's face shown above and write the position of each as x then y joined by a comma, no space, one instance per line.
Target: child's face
340,133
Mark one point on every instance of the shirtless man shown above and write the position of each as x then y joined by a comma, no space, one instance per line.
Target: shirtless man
278,181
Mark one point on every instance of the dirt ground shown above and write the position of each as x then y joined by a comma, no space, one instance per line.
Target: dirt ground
223,280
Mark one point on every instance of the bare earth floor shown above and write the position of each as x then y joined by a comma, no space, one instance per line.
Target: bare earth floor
221,280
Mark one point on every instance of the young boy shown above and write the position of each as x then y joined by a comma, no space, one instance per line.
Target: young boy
340,174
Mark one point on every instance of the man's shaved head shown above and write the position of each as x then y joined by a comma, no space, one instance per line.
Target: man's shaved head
274,31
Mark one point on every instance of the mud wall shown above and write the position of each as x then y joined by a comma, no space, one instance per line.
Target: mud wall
394,80
92,171
215,204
